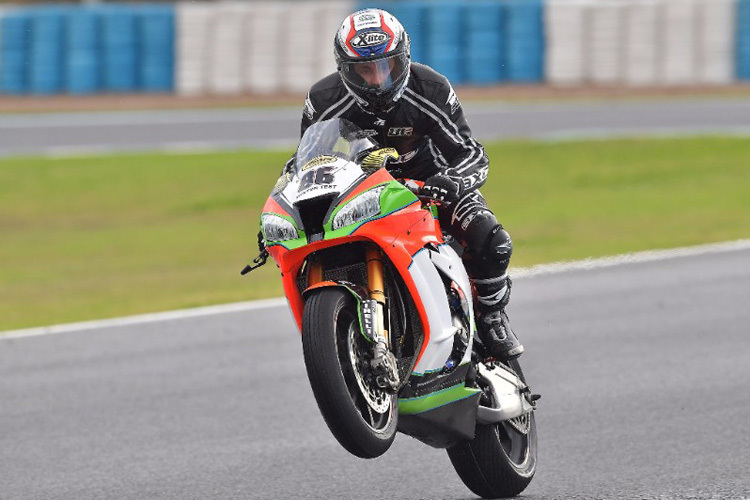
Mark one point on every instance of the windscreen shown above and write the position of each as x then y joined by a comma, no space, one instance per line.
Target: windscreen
336,137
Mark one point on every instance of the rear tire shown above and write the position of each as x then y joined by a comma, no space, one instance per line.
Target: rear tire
501,459
361,416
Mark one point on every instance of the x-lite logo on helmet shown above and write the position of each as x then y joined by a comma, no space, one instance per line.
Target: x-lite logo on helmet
368,33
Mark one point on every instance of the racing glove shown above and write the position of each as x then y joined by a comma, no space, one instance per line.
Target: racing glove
444,188
379,158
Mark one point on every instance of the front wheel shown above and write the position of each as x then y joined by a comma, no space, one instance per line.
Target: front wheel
501,459
361,416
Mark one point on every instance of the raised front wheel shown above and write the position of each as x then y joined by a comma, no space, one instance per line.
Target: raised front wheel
360,415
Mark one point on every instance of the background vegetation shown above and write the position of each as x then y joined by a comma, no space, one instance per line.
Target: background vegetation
87,238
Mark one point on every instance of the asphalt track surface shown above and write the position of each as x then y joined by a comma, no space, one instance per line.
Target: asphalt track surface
644,370
198,130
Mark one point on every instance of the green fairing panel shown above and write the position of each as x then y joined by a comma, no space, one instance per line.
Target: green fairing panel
434,210
411,406
427,391
288,244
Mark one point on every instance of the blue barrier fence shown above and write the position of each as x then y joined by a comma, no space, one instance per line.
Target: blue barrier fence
525,40
157,63
413,16
478,41
743,40
83,68
14,50
486,59
83,50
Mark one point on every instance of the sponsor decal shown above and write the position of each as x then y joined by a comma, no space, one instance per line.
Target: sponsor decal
400,131
453,100
366,20
369,307
465,223
319,160
369,39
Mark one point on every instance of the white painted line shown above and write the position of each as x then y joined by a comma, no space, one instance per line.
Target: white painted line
542,269
617,260
175,148
146,117
604,134
145,318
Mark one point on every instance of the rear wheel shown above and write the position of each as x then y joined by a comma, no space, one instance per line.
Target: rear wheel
501,459
360,415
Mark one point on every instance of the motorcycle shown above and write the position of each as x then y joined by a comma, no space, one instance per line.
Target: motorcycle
386,312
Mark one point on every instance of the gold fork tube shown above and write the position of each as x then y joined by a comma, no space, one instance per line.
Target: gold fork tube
314,272
375,284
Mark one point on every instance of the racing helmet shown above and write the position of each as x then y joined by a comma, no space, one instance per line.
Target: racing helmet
372,52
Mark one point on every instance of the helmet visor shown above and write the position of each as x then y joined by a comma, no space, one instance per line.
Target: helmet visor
379,74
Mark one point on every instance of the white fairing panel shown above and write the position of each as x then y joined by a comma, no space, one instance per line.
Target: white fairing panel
449,263
338,173
432,293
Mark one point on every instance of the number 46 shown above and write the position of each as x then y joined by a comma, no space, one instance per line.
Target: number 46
317,176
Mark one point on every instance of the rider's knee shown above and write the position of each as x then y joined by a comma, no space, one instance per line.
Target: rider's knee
489,255
499,245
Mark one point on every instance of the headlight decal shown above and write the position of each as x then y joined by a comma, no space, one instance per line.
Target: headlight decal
362,207
393,197
278,228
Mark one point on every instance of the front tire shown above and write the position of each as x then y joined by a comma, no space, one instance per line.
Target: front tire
501,459
361,416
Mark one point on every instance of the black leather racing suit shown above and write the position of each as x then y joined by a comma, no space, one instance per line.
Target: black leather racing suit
428,129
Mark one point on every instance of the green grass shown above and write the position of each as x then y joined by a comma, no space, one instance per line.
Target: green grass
87,238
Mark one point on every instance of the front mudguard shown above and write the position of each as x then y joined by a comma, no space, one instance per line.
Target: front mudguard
365,305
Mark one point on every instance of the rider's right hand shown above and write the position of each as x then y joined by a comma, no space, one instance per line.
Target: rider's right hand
443,188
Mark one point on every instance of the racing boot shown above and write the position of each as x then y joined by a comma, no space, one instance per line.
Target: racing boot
493,326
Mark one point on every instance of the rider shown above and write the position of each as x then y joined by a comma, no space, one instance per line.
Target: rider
412,108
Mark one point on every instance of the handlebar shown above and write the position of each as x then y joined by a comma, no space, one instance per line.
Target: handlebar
415,186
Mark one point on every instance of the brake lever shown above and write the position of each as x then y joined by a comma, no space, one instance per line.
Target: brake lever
261,259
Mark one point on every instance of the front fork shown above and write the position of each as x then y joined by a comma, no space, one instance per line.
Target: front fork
383,364
375,288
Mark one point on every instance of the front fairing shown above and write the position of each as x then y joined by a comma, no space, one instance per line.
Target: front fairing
326,194
391,195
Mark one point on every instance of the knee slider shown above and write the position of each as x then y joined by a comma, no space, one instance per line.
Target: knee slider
491,258
498,244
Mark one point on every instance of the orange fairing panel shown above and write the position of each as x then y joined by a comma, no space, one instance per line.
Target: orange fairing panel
272,206
414,227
